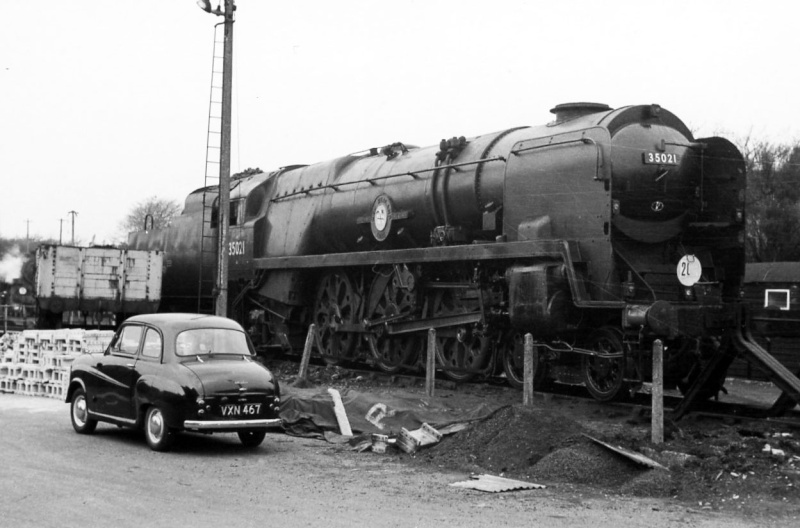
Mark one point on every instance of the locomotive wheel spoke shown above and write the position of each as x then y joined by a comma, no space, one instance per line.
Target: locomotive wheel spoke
604,376
393,353
467,350
470,353
396,352
335,306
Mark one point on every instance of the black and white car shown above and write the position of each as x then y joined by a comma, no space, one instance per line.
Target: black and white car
176,372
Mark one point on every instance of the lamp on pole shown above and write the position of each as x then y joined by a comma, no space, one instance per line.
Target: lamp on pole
225,153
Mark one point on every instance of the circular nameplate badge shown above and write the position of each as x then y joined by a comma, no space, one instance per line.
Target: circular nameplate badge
381,217
689,270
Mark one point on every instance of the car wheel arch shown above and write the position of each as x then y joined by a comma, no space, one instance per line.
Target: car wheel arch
164,393
75,384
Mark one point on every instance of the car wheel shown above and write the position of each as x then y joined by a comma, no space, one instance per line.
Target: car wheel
79,413
159,437
252,438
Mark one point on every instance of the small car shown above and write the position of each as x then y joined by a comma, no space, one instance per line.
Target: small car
175,372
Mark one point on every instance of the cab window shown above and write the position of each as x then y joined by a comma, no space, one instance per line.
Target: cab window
152,344
129,339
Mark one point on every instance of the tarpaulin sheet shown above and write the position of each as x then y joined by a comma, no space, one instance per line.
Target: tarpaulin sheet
309,412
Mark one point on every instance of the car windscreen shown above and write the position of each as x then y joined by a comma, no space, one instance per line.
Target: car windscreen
204,341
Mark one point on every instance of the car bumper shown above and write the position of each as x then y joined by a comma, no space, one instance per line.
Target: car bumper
231,425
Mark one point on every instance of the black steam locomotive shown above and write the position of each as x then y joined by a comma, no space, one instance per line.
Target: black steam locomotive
597,233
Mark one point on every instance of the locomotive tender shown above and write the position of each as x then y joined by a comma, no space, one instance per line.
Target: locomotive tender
597,233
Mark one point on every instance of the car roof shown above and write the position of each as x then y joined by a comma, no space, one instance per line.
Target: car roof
183,321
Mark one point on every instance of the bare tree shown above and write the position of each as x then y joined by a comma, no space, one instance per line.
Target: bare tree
161,210
773,201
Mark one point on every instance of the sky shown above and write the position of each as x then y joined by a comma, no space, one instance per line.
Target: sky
104,104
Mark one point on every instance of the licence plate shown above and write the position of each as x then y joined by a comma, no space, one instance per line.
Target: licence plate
243,409
660,158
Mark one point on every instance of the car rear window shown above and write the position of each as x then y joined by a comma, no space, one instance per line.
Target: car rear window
204,341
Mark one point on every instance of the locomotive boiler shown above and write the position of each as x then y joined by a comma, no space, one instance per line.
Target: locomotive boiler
596,233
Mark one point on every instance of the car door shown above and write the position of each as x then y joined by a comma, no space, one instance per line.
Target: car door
117,377
149,361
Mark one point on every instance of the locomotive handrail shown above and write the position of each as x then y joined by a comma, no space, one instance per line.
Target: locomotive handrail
584,140
372,181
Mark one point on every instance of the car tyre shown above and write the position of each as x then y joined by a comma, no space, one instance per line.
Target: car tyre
79,414
158,435
252,438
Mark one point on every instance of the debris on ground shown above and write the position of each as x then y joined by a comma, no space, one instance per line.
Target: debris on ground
715,464
494,484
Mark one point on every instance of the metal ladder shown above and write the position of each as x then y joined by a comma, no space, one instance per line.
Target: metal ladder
208,233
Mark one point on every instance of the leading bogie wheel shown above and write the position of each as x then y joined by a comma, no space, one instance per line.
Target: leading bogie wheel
604,372
158,435
79,414
514,363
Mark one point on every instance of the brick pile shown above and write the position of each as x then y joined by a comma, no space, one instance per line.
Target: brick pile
37,362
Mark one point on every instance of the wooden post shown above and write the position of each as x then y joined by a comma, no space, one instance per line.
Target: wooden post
303,374
657,420
527,377
430,363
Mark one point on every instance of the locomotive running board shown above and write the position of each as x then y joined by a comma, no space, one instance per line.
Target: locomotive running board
565,250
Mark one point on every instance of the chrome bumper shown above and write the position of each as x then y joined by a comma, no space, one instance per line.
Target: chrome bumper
222,425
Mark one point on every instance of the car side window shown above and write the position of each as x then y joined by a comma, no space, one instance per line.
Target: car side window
152,344
129,339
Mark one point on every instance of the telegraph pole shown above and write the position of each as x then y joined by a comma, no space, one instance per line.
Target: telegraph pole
225,162
225,154
73,214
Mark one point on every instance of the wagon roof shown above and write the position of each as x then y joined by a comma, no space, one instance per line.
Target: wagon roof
772,272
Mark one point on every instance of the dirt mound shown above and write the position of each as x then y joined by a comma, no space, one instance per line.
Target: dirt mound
711,464
510,442
533,443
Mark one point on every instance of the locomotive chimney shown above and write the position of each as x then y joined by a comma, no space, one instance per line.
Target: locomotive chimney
568,111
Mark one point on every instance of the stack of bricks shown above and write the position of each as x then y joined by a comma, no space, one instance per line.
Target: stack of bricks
37,362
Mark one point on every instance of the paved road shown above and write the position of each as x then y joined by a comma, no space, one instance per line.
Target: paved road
51,476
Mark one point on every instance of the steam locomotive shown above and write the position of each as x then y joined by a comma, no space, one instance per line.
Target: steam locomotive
597,233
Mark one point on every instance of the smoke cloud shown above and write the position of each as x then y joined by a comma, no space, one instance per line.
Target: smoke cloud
11,265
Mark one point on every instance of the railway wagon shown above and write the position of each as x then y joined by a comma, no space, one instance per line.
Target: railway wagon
106,283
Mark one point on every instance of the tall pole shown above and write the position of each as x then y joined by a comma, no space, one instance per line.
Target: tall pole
225,163
60,229
27,236
73,214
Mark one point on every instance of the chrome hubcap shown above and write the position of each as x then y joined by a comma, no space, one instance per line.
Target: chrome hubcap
80,410
156,425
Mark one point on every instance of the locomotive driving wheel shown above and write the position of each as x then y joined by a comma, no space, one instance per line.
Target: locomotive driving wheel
604,376
397,299
461,351
336,305
514,362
